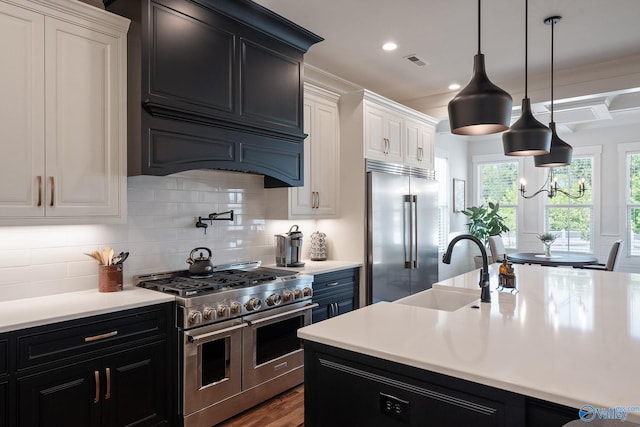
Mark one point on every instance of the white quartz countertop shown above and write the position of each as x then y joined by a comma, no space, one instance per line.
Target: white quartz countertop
568,336
28,312
320,267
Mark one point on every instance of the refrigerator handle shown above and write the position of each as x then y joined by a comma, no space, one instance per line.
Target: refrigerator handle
408,231
414,225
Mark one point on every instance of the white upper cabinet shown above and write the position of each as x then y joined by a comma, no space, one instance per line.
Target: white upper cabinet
318,198
383,133
388,131
63,113
419,144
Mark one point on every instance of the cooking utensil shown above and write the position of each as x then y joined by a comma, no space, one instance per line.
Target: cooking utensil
95,255
107,255
120,258
200,266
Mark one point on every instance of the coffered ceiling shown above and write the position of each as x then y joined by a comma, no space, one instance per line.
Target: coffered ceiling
597,46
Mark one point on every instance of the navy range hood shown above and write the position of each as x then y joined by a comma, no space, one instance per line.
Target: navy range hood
214,84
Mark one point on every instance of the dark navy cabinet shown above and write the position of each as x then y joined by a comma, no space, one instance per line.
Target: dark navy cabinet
335,292
214,84
344,388
4,380
116,369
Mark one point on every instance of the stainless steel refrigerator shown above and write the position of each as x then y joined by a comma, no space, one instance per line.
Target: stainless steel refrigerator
402,231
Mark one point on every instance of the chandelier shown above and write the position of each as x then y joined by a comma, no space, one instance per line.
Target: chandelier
552,189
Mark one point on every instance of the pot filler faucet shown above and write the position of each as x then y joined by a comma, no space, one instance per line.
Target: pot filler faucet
485,295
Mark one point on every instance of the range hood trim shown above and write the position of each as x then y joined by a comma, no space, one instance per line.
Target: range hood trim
258,17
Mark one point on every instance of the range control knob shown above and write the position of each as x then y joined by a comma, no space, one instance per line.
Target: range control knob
236,308
274,299
223,310
297,293
307,292
287,296
208,313
254,304
195,317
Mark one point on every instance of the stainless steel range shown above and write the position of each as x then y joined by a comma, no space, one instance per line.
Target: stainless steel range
237,331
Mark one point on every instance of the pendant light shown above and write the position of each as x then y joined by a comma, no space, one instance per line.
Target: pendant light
527,136
561,152
481,108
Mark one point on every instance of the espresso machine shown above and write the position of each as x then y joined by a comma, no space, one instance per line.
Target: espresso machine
289,248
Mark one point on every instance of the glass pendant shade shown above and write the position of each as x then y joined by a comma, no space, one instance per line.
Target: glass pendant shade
481,108
527,136
559,155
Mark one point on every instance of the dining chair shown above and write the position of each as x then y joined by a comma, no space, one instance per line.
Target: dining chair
496,246
612,261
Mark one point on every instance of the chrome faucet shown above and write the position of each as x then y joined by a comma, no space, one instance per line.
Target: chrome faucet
485,294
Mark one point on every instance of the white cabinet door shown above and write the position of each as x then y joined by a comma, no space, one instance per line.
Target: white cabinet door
62,115
382,134
21,112
418,144
83,151
324,159
318,197
302,198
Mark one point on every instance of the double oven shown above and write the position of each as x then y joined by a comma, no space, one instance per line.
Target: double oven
238,344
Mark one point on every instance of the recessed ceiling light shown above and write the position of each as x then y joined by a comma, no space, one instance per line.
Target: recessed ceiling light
389,46
454,86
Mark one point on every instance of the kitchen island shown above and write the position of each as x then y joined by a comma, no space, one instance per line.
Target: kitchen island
568,338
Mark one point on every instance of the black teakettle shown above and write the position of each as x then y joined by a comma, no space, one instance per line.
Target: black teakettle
200,266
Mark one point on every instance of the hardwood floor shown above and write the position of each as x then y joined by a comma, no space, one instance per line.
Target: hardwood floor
283,410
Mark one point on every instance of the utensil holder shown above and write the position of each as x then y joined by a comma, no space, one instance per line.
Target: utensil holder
110,278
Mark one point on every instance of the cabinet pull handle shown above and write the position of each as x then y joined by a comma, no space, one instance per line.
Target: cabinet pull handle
317,199
107,395
313,200
52,191
420,154
386,146
39,190
337,308
96,398
332,284
101,336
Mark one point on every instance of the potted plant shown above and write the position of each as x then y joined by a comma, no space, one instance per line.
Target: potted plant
485,221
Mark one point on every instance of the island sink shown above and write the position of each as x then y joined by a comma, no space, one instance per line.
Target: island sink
440,299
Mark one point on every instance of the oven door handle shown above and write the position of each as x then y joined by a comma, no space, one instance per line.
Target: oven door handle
196,338
285,314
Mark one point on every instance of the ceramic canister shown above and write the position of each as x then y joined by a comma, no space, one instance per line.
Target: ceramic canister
318,246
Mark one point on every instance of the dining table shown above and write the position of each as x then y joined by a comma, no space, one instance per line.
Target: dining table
556,259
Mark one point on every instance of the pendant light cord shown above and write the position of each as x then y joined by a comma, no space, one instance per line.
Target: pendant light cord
526,46
478,27
553,23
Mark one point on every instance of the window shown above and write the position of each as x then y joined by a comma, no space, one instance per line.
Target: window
633,202
442,175
572,219
499,184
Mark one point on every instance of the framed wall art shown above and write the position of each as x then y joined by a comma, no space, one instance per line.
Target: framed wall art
458,195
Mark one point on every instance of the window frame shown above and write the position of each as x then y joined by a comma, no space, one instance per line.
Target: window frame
444,210
596,152
624,150
478,161
577,205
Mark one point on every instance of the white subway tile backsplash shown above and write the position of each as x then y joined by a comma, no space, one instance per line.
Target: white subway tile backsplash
159,234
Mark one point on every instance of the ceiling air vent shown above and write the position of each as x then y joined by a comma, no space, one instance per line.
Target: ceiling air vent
417,61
